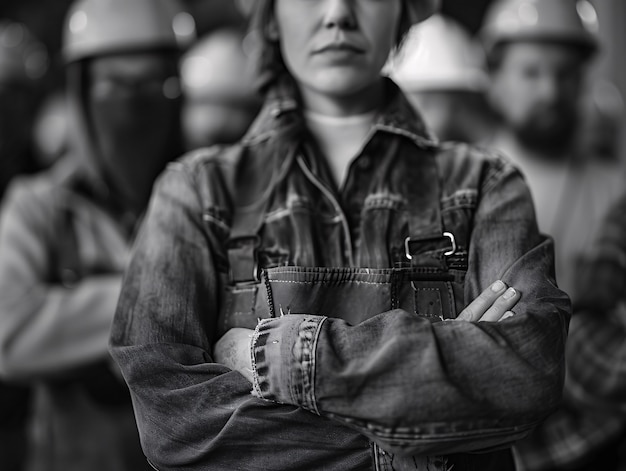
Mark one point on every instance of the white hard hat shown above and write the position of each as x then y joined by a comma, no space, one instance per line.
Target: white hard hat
23,58
218,67
569,21
99,27
439,55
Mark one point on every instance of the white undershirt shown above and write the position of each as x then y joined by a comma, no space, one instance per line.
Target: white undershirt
340,138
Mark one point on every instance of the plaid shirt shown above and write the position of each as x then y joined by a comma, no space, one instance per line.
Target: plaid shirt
594,409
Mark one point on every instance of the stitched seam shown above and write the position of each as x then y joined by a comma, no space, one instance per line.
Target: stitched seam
302,386
331,282
314,363
451,304
228,308
256,387
436,432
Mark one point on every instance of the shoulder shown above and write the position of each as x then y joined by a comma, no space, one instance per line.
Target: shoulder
207,163
205,175
208,158
471,165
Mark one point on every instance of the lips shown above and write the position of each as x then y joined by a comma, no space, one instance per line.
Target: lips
339,47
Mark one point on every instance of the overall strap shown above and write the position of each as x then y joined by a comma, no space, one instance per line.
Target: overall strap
249,209
244,242
424,197
428,245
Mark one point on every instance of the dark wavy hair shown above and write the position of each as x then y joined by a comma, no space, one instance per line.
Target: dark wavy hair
268,60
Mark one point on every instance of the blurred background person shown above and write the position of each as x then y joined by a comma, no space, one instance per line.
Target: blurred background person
539,53
65,234
219,86
442,70
602,118
23,65
588,432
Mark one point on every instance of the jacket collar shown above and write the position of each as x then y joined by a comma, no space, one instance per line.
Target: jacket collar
282,110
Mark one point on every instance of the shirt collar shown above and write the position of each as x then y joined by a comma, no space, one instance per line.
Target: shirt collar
282,109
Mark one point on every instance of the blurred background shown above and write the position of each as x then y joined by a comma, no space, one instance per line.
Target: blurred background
45,19
220,104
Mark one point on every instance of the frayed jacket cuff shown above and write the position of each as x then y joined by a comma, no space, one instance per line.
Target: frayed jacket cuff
283,359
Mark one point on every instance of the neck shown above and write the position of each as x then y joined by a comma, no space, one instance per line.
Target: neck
357,103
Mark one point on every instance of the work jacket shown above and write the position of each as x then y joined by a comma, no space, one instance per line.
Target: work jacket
352,292
63,249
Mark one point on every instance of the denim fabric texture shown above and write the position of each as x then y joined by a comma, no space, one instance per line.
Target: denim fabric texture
357,363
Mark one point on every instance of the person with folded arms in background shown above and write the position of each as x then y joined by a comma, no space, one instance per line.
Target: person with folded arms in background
65,234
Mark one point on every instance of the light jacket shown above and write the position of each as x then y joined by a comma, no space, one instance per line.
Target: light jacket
63,250
65,238
369,376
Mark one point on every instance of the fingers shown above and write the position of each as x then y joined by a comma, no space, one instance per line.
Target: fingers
492,305
482,303
501,306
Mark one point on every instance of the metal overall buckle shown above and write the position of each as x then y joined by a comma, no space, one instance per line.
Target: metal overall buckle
448,235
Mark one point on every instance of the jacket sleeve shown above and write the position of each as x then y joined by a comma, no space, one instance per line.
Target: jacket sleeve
193,413
45,328
417,387
596,350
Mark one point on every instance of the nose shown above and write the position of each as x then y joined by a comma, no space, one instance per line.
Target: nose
339,14
548,89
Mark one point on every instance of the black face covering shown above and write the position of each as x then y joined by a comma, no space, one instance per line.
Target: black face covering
548,128
135,124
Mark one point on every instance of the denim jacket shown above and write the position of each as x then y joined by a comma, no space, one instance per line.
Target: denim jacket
358,380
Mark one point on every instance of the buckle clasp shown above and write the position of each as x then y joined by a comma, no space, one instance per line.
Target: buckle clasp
448,235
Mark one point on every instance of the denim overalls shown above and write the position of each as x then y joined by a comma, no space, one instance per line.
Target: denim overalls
349,291
420,282
429,263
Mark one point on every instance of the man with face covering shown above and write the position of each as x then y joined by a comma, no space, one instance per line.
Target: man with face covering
538,52
65,235
23,62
